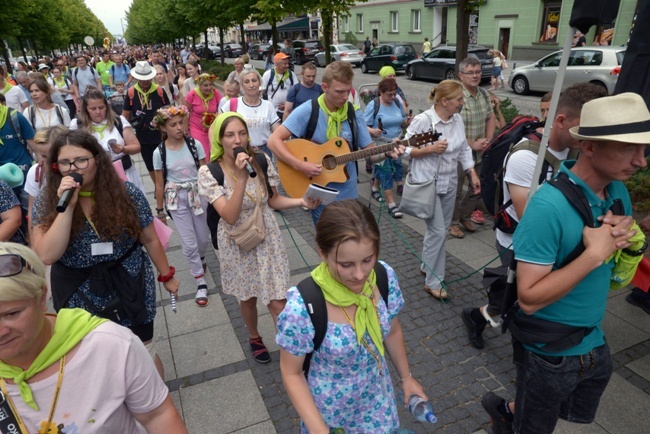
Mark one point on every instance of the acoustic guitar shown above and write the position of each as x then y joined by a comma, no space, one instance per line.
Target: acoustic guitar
333,155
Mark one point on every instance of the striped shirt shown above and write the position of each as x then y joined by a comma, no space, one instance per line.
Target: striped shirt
424,168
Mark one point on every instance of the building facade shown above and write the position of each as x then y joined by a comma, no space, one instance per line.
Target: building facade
523,29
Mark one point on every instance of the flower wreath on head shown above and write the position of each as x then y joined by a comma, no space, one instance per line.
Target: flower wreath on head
168,112
205,77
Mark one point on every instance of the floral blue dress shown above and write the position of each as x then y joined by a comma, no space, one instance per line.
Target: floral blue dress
8,200
77,255
348,388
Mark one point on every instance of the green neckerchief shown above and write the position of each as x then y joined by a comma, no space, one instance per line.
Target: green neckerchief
216,150
204,99
4,111
7,87
71,326
146,94
338,294
99,129
282,78
334,119
60,82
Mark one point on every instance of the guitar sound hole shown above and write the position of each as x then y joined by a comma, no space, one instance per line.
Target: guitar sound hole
329,162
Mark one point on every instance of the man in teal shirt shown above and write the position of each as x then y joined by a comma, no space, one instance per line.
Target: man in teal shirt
569,382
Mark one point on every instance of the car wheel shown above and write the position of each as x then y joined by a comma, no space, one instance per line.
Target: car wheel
364,68
520,85
410,72
296,59
450,74
316,62
262,57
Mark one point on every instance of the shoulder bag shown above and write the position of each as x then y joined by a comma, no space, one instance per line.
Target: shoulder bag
251,232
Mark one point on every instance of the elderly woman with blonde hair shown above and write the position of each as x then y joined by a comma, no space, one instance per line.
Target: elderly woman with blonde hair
94,368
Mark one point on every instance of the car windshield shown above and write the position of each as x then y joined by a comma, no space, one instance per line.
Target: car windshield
481,54
348,47
619,57
311,44
401,49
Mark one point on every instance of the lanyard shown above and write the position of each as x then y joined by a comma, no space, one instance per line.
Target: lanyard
363,339
9,414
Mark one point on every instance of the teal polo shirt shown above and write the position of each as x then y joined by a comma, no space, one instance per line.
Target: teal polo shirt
548,232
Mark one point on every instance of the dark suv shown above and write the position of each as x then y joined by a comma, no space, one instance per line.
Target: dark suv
395,55
302,51
440,63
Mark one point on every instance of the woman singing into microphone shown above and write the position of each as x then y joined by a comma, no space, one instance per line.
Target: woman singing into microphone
95,245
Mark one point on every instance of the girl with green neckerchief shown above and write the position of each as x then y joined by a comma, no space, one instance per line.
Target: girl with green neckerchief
348,384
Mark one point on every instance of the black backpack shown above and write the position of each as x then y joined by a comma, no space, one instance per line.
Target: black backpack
265,94
530,330
213,216
190,143
314,301
32,114
495,153
313,122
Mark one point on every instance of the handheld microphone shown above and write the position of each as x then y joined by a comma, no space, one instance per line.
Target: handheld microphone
251,172
67,195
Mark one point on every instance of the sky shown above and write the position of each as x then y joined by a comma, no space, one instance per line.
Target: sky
110,12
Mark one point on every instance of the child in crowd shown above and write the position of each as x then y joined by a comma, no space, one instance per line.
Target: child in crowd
176,163
232,89
117,98
362,328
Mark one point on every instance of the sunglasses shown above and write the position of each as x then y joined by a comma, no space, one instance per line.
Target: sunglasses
12,264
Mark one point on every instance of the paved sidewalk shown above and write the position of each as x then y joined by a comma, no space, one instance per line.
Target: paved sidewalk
219,388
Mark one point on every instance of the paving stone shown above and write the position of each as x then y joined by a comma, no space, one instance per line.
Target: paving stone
620,335
261,428
205,412
190,317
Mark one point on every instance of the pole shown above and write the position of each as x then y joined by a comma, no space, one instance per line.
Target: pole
557,88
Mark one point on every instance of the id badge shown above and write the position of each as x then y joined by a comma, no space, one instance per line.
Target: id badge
97,249
8,420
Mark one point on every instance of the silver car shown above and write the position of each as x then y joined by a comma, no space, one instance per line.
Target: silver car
343,52
598,65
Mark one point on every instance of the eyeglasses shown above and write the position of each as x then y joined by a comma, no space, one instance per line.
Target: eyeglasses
390,94
471,73
12,264
79,163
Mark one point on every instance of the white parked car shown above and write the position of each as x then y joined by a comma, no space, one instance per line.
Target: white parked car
598,65
343,52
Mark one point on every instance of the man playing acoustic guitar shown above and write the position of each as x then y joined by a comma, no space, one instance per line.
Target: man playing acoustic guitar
333,121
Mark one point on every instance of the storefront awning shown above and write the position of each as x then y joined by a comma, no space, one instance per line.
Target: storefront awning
288,24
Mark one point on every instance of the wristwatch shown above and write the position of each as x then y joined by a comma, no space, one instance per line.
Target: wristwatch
639,251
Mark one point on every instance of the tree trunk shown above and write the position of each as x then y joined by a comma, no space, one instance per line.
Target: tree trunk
274,34
222,54
462,31
243,38
22,49
5,56
326,16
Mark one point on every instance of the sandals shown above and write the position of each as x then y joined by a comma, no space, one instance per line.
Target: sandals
260,353
438,294
376,194
201,298
394,212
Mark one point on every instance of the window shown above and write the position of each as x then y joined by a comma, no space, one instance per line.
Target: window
415,17
360,23
394,21
345,23
550,21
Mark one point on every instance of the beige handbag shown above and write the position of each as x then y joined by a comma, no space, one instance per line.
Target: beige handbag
251,232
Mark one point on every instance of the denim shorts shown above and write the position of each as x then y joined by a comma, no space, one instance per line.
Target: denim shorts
388,171
570,388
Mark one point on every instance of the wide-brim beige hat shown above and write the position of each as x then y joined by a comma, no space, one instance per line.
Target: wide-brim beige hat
621,118
143,71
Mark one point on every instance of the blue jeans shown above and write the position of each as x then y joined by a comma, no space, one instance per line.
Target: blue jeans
552,387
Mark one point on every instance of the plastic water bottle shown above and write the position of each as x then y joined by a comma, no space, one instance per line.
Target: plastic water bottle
421,409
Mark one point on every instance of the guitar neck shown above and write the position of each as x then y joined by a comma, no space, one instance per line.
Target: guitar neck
369,152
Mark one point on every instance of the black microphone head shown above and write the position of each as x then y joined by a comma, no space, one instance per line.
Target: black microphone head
77,177
238,150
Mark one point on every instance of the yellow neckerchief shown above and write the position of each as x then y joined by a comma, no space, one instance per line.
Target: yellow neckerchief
145,95
366,317
7,87
4,111
334,119
282,78
60,82
71,326
99,129
204,99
